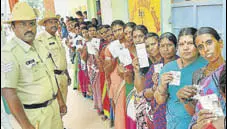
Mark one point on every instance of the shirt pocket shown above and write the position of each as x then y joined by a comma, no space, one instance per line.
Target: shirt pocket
33,72
38,71
53,48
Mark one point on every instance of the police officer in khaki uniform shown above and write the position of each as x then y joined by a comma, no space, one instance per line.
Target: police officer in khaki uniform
53,43
27,76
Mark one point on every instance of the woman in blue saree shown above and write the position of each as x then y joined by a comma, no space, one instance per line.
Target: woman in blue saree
178,115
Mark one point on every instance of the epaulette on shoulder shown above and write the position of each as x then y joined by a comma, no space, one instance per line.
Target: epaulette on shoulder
39,37
39,43
38,40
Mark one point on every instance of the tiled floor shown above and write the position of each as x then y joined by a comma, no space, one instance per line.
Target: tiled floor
81,114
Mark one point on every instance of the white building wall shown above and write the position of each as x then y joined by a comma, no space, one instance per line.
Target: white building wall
106,9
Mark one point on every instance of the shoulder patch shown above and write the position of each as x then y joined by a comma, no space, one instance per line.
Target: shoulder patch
6,67
40,36
38,41
9,46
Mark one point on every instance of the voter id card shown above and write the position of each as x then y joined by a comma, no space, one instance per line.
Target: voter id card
142,55
211,102
176,78
158,68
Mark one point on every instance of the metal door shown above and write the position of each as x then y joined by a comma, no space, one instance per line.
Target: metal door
198,14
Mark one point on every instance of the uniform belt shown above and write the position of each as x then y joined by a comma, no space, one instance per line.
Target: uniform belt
59,72
40,105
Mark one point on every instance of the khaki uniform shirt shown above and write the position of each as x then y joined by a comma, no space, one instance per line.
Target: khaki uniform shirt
29,70
56,48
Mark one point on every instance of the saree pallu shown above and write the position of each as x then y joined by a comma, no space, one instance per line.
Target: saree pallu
140,105
102,82
105,98
111,111
149,115
91,72
83,77
120,106
156,115
107,85
130,107
159,116
76,72
97,92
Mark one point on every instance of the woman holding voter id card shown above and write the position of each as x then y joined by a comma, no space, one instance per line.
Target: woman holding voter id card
117,86
83,73
109,66
177,75
211,107
161,51
139,35
128,77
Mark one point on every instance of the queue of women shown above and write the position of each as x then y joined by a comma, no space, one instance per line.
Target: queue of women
179,86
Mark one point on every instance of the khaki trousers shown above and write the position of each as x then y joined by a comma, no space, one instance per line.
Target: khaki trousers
48,117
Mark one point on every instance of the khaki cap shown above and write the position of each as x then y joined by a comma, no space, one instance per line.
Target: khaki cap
47,16
37,12
21,12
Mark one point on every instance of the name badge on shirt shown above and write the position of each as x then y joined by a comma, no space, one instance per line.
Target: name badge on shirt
52,43
30,63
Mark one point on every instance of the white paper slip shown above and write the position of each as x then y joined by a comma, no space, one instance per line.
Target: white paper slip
90,48
83,42
83,65
96,43
80,37
77,39
115,48
74,43
211,102
198,90
79,47
158,68
125,57
176,78
142,55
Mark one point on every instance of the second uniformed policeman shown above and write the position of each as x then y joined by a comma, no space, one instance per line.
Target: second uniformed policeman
53,43
27,76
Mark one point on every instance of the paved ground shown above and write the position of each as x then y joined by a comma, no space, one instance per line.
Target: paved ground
81,113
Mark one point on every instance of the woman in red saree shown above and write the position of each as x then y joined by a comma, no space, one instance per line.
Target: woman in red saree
104,32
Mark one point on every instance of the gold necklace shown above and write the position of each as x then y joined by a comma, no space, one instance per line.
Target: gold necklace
207,71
